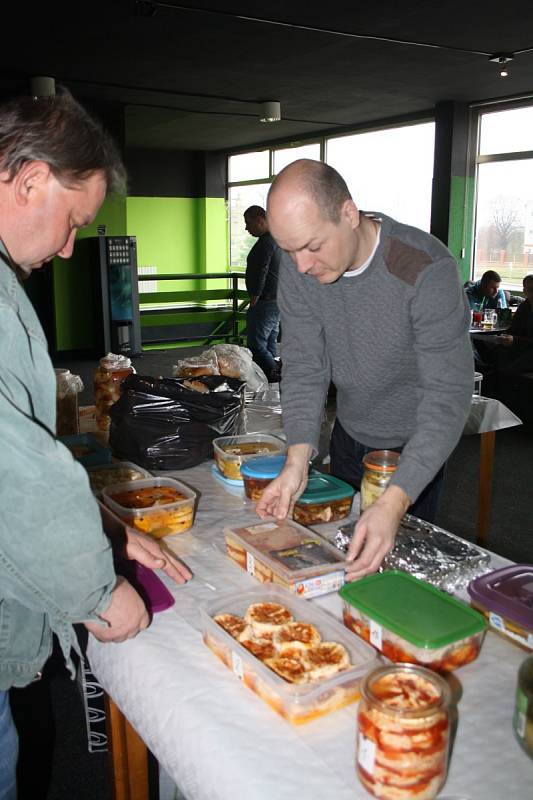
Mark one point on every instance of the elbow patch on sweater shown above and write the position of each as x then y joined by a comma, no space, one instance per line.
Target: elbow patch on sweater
405,262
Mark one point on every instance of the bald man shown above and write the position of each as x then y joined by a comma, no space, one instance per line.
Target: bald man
376,307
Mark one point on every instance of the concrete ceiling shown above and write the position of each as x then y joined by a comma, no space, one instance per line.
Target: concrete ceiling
193,78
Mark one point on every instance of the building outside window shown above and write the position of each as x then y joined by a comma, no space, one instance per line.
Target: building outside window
504,195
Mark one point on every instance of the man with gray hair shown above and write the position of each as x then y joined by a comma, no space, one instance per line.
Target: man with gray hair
376,307
56,565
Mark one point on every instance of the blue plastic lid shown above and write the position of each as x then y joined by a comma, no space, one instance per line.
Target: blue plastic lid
267,467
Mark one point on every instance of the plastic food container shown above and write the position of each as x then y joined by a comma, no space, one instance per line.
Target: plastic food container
410,621
163,517
68,386
258,472
380,466
86,449
231,451
104,475
288,554
111,371
403,732
505,598
325,499
297,702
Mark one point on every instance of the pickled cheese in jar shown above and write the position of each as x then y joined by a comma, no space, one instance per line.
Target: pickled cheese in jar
68,386
379,468
403,732
112,370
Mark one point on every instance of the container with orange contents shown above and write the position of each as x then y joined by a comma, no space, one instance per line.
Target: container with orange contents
325,499
294,655
410,621
231,451
505,598
403,732
157,506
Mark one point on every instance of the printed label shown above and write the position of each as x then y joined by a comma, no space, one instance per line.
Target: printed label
376,634
236,665
264,526
497,622
366,753
321,584
250,563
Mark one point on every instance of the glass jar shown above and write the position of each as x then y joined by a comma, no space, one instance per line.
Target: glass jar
403,732
68,386
523,715
112,370
379,467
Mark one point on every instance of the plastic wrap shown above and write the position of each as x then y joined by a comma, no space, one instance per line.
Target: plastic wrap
163,425
429,553
196,365
236,362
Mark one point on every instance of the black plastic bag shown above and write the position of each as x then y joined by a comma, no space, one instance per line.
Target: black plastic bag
161,424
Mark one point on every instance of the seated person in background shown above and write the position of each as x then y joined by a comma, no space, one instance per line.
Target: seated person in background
517,355
486,292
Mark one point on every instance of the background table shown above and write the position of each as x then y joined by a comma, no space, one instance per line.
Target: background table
219,741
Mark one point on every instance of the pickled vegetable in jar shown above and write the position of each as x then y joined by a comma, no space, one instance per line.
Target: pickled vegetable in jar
403,732
523,715
68,386
379,467
112,370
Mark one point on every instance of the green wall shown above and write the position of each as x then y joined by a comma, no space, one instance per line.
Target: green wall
460,231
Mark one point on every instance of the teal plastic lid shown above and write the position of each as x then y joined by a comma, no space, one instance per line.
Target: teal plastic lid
323,488
412,609
267,467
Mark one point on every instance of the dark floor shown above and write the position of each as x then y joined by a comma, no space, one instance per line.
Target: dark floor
50,714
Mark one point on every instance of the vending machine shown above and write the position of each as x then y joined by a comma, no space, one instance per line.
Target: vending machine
96,298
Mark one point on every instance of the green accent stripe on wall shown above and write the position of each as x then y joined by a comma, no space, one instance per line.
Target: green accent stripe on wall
460,231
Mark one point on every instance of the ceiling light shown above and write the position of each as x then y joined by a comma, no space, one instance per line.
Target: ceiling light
41,86
502,59
270,111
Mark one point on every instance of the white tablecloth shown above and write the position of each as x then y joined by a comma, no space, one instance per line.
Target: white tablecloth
488,414
219,741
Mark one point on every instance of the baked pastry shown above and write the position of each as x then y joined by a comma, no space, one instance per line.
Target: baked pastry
325,660
196,386
194,372
265,618
292,670
295,636
232,624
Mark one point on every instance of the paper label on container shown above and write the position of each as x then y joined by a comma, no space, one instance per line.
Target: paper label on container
250,563
236,665
498,623
321,584
366,753
376,634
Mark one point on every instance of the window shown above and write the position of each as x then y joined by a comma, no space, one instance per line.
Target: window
283,158
240,198
504,195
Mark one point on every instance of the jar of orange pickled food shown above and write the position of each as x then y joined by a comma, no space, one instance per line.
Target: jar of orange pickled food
112,370
403,732
380,465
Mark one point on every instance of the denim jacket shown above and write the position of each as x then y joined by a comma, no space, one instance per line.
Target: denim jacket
56,566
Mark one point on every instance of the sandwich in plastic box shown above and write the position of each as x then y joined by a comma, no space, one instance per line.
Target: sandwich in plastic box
410,621
297,702
288,554
505,598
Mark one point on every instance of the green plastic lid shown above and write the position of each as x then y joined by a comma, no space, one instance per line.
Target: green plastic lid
412,609
322,488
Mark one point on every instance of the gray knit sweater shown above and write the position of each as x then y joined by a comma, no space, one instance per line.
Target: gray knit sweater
395,342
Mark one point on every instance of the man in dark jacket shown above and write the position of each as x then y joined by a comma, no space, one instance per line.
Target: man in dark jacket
262,321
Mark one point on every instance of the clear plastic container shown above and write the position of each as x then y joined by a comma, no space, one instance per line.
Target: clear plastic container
505,598
410,621
403,732
258,472
231,451
288,554
117,472
325,499
68,386
297,702
111,371
158,519
379,468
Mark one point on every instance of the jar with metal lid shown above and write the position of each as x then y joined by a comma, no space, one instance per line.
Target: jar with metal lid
379,467
68,386
112,370
403,732
523,715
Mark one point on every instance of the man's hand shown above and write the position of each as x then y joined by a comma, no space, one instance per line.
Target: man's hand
375,532
280,495
127,615
151,553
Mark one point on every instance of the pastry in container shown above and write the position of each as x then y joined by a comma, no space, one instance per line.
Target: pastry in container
403,732
157,506
410,621
320,674
325,499
286,553
231,451
258,472
505,598
104,475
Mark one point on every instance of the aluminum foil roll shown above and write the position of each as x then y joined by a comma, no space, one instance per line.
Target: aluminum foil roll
429,553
